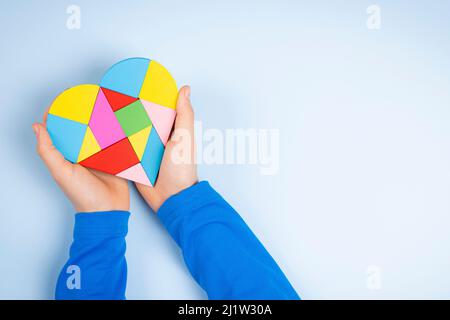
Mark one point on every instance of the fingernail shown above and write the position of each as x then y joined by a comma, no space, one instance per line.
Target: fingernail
187,92
35,129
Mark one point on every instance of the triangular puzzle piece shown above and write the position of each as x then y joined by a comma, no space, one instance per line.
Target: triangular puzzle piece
126,76
136,173
114,159
75,103
67,136
104,125
162,119
89,146
159,86
139,141
152,157
117,100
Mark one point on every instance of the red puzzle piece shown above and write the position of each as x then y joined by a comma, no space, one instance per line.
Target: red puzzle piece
114,159
117,100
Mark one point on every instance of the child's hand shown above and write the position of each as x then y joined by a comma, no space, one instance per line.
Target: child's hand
178,170
87,189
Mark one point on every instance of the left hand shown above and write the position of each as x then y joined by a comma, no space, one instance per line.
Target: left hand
88,190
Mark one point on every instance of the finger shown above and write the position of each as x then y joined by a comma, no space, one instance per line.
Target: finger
185,113
44,118
184,121
181,147
52,158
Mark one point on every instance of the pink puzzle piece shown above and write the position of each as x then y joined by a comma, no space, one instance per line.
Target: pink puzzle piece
135,173
162,119
104,124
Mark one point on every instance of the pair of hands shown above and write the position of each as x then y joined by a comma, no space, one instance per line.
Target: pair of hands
90,190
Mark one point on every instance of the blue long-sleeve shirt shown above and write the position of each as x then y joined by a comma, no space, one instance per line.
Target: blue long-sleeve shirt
221,252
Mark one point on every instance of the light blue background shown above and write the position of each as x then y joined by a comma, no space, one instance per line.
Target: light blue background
363,115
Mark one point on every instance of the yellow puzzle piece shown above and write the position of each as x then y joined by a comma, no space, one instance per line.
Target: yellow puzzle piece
89,146
159,87
139,141
76,103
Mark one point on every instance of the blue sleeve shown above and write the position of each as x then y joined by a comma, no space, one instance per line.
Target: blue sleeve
96,268
221,252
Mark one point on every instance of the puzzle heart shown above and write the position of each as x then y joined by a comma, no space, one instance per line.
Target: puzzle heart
121,126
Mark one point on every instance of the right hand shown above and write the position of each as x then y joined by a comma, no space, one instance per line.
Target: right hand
178,169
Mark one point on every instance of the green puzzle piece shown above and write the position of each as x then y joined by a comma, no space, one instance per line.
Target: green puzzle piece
133,118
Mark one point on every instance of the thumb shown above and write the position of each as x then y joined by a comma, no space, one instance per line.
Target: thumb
52,158
181,146
185,113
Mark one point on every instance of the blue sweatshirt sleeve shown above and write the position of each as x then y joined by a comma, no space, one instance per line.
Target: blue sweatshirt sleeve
96,268
221,252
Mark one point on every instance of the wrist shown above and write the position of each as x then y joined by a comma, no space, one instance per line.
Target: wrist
100,206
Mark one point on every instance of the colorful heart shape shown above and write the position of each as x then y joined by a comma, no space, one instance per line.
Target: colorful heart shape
120,126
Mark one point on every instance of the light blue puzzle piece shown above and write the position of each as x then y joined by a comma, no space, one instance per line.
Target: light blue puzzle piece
67,136
151,160
126,76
